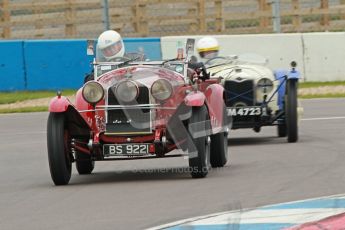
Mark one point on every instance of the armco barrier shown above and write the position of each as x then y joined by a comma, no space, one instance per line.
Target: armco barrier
320,56
55,64
12,76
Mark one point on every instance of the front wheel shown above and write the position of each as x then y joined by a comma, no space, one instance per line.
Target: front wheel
219,145
291,110
58,143
199,142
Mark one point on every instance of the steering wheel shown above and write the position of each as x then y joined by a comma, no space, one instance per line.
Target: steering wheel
215,58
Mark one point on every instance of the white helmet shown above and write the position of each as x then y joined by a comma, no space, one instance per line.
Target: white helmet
207,47
110,45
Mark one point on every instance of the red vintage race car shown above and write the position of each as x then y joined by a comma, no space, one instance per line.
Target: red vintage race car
138,111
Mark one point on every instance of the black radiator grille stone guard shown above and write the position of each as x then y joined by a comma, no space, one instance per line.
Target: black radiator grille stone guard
239,92
131,121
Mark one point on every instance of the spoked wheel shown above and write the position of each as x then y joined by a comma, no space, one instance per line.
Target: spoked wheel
199,142
58,143
84,164
291,110
219,145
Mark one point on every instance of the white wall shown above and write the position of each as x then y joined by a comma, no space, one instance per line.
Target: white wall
320,56
324,56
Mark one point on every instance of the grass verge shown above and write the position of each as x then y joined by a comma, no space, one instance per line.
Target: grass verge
25,109
12,97
319,84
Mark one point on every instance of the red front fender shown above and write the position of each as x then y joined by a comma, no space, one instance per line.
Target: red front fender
215,104
59,104
195,99
76,124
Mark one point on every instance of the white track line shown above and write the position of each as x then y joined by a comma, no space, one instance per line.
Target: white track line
322,118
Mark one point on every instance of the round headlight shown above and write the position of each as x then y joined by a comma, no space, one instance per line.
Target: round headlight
126,91
161,89
93,92
265,85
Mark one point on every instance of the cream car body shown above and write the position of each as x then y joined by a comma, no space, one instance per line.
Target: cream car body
239,72
255,95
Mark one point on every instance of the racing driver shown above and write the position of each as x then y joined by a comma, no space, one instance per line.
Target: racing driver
110,48
207,47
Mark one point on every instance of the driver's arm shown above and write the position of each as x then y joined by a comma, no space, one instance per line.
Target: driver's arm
199,66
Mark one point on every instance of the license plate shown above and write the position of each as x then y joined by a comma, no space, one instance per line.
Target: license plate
126,149
244,111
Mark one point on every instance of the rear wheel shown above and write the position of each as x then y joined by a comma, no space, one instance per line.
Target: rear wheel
291,110
257,129
199,142
219,145
58,143
84,164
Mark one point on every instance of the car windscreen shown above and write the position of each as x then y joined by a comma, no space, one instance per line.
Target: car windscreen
104,68
247,58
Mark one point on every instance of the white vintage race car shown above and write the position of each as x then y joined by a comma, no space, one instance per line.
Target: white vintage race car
257,96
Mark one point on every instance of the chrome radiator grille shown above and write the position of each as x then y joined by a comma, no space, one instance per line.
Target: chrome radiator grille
239,93
128,120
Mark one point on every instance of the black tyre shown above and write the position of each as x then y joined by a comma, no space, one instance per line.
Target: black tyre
84,164
281,128
219,145
58,143
291,110
257,129
198,142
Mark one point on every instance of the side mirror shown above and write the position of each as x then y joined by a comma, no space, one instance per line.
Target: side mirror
190,46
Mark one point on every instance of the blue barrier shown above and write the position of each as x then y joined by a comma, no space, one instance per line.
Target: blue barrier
12,71
56,64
